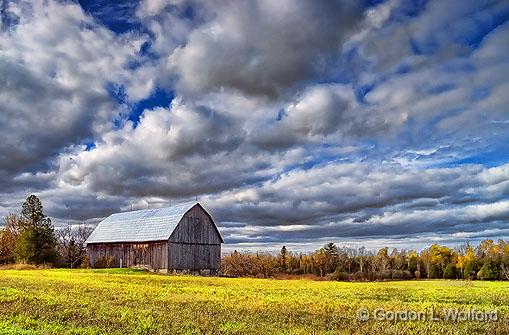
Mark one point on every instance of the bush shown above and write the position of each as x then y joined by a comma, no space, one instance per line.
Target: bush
105,262
298,271
401,274
86,262
339,275
24,266
359,276
385,275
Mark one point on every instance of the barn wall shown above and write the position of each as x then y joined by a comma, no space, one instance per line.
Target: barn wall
186,256
151,255
196,227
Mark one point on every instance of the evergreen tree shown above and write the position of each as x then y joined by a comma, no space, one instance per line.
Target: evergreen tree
36,243
450,271
283,258
332,257
489,271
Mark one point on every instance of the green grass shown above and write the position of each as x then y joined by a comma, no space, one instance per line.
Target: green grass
133,302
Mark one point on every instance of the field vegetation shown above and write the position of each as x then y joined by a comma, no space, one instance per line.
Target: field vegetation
120,301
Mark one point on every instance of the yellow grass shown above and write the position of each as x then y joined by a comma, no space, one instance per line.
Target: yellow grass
133,302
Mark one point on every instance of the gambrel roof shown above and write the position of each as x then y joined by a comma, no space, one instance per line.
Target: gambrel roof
145,225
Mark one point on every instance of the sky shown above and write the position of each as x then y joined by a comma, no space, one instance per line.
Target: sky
363,123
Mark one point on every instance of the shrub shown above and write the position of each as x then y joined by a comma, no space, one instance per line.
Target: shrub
359,275
86,262
24,266
339,275
105,262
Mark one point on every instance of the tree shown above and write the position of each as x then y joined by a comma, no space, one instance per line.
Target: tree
440,258
382,258
486,249
489,271
426,259
362,257
320,261
466,263
265,264
233,265
36,243
283,255
332,257
398,259
450,271
504,271
71,244
344,261
8,238
306,264
504,262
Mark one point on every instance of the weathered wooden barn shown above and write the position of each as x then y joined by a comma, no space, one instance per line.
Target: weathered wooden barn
181,237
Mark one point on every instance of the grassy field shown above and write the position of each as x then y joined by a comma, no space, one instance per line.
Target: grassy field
131,302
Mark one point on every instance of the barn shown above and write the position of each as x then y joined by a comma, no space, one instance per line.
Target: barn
181,237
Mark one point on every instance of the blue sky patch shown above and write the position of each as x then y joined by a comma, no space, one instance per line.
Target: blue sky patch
159,98
118,16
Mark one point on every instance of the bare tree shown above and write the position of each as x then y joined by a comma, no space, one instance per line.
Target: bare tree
71,243
504,270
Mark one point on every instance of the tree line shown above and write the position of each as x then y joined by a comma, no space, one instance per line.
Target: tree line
30,238
488,261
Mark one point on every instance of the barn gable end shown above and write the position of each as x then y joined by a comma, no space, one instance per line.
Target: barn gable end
196,226
195,242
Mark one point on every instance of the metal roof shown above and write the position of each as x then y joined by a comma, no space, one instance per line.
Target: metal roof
145,225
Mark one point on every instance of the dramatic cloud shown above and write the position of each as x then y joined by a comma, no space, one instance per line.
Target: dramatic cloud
295,123
264,47
55,64
358,201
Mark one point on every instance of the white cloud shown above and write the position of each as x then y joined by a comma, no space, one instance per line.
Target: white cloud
338,201
54,67
288,133
262,48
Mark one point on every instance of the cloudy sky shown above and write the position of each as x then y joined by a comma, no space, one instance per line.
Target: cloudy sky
294,122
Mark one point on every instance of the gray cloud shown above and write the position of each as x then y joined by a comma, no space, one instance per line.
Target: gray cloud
40,117
54,68
325,112
353,200
177,162
296,123
263,48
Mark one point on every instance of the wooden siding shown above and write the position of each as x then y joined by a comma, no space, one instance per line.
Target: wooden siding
184,256
150,255
195,244
197,227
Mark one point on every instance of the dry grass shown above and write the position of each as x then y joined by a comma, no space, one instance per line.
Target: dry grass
119,301
22,266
